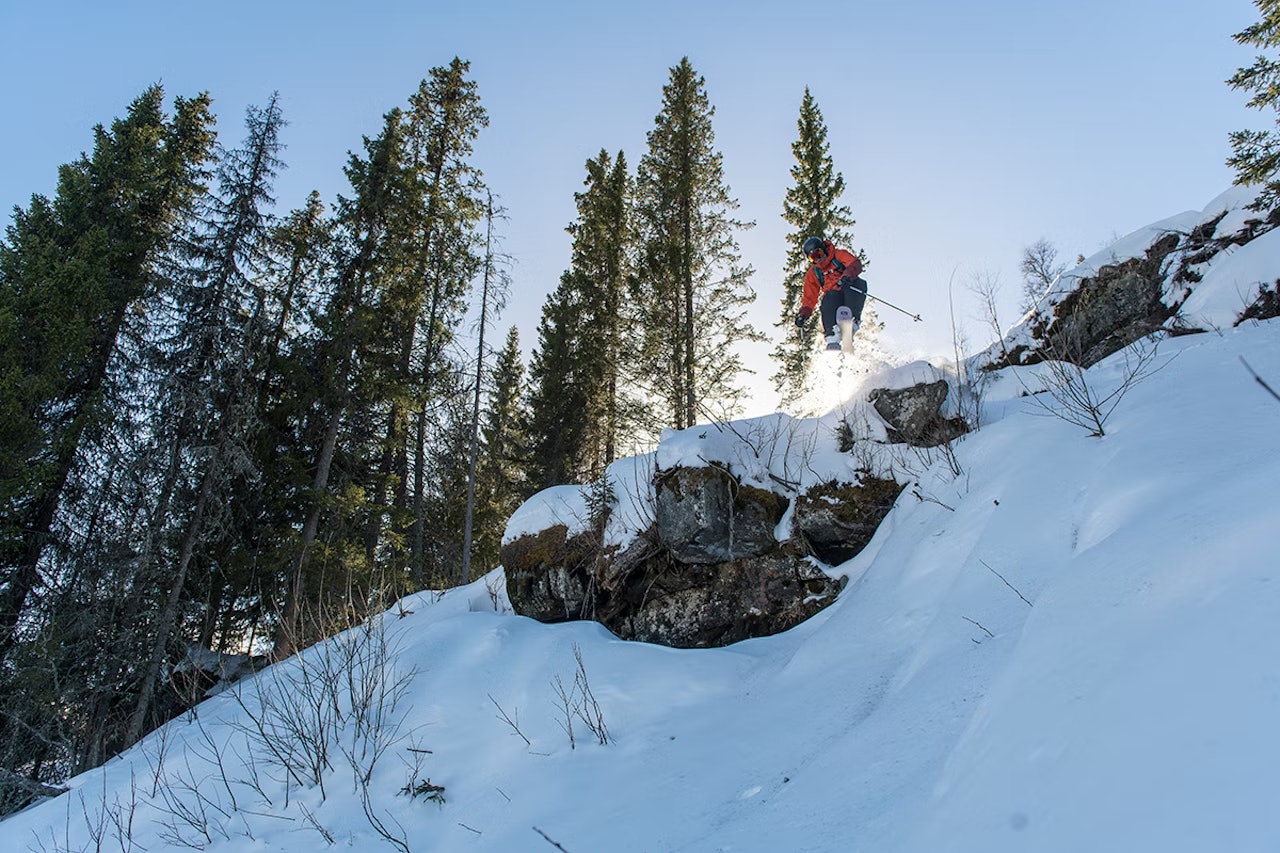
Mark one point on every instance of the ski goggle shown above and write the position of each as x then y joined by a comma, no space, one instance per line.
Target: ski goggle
817,255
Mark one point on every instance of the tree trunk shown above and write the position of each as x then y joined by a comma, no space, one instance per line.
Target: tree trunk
286,631
169,616
475,407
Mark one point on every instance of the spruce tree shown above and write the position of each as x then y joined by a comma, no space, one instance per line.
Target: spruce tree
603,244
429,274
504,430
579,409
501,475
70,271
691,292
812,208
1256,153
558,395
75,274
345,331
404,259
209,417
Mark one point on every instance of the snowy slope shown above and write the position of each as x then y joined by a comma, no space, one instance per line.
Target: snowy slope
1070,646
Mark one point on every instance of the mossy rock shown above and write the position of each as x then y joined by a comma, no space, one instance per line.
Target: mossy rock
549,573
836,520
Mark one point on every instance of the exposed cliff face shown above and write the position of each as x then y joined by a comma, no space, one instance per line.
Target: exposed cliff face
1141,286
1109,311
1103,313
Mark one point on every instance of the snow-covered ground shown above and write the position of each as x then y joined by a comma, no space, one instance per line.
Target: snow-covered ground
1071,645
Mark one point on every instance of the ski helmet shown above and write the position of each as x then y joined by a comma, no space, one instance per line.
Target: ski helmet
814,244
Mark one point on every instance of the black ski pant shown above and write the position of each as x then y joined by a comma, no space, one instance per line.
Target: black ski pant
854,297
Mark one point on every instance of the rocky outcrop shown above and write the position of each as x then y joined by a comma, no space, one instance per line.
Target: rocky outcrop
914,415
1119,305
1105,313
702,605
710,570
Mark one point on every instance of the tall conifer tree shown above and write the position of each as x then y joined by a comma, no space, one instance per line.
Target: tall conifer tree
433,267
209,417
70,271
75,272
603,244
404,262
578,408
557,397
692,292
346,337
812,208
501,478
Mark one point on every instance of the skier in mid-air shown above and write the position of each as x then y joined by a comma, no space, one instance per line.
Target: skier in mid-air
835,277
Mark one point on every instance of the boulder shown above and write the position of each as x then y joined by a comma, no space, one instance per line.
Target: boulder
705,515
914,415
707,572
644,592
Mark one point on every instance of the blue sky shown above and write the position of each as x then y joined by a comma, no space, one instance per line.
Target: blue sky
964,131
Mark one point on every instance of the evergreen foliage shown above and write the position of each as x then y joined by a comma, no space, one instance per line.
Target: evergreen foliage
557,429
404,262
812,208
1256,153
579,411
76,273
690,294
502,475
223,430
207,411
70,271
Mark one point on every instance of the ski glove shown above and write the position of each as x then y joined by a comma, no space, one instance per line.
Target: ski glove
803,317
847,282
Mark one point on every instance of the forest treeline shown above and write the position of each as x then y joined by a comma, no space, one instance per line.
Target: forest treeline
226,429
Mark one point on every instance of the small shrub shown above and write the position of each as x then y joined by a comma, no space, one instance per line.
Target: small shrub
426,789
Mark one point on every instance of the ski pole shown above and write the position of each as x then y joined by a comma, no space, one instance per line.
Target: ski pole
915,317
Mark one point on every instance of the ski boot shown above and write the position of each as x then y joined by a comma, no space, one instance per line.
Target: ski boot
848,327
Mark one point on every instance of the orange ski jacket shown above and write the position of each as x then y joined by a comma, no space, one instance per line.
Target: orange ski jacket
824,276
